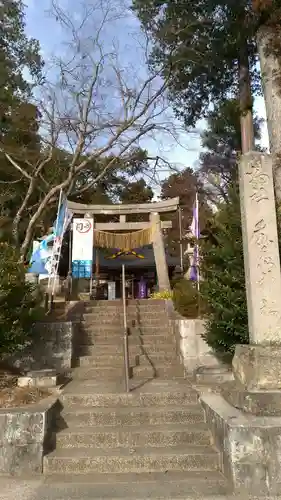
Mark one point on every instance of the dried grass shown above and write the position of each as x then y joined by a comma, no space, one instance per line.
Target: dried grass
12,396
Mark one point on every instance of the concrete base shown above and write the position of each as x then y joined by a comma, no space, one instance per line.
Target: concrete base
194,350
258,368
39,378
213,374
250,447
257,403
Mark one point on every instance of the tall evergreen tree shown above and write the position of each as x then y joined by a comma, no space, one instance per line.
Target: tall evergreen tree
223,286
17,53
184,184
19,123
213,46
222,148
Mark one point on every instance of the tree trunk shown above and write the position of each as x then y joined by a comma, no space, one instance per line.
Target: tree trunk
36,216
49,198
20,212
271,82
246,101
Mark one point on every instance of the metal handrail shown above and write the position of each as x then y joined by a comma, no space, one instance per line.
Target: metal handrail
126,347
48,303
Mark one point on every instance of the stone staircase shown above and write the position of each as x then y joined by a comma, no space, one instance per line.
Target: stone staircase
152,346
150,443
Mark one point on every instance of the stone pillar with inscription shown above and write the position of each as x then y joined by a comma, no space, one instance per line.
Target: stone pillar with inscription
257,366
244,418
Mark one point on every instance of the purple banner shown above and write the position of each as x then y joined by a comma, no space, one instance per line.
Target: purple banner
142,289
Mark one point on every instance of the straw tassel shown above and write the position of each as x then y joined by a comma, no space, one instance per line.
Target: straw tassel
126,241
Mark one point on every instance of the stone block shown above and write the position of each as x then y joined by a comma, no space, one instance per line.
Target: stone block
32,278
20,460
51,348
38,381
266,403
25,433
21,427
257,367
250,446
38,378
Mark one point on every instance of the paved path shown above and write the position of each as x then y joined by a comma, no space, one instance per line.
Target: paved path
38,489
19,489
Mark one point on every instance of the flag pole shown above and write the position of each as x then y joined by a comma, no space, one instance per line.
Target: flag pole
53,249
197,241
180,231
197,253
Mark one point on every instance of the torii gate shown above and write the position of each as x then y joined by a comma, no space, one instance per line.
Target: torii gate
153,209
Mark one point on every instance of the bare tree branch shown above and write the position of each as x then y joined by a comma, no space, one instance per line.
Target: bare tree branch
18,167
94,110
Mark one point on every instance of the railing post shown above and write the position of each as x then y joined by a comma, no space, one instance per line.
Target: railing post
46,302
126,350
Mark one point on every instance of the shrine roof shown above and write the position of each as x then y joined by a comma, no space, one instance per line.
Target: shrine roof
144,258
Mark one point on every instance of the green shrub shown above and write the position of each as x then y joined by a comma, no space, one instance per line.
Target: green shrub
223,286
165,295
19,302
185,297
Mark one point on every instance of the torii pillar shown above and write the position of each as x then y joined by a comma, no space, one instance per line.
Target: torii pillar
159,253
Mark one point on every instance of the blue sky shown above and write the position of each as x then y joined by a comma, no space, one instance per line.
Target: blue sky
42,26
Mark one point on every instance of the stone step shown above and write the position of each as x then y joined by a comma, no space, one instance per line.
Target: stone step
109,372
120,460
81,416
133,340
119,314
87,397
146,436
117,349
117,304
119,320
102,333
131,321
114,324
118,359
213,375
119,330
160,340
141,486
104,307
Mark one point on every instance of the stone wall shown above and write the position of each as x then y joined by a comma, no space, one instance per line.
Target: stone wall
194,350
250,447
52,347
25,436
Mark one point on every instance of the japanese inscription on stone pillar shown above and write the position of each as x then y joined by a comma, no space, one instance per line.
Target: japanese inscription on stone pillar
261,253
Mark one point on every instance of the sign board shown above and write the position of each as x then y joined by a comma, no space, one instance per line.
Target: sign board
82,248
111,290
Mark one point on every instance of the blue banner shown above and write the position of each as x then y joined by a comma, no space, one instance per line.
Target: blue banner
46,253
41,258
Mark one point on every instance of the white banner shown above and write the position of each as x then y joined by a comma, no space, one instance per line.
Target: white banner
64,216
82,248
